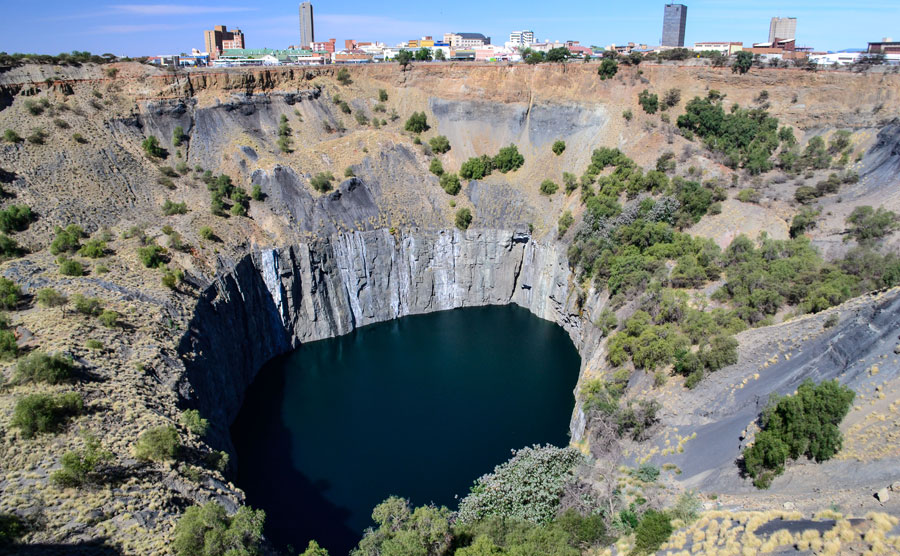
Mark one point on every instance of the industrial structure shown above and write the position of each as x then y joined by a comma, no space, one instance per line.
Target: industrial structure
674,23
307,28
782,28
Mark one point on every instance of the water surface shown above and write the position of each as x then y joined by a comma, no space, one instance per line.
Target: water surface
418,407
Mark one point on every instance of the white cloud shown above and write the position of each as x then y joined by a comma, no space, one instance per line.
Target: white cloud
144,28
174,9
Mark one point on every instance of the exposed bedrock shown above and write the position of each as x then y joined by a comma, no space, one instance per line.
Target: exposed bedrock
273,300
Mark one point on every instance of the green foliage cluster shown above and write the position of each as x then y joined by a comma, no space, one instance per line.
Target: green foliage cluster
608,69
806,194
192,421
42,367
565,222
343,76
152,256
549,187
44,413
12,528
439,144
90,306
152,148
93,249
435,167
417,123
746,137
209,531
11,136
321,182
508,159
802,424
158,444
70,267
9,248
48,297
527,487
179,136
653,530
10,293
463,218
400,530
558,147
67,239
15,218
743,61
284,135
867,224
648,101
450,184
74,58
80,466
170,208
382,95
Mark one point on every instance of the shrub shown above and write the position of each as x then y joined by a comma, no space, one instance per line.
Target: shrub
41,367
803,221
424,531
806,194
67,239
12,528
508,159
671,98
558,147
34,108
79,467
158,444
169,208
93,249
652,531
417,123
151,256
42,413
343,77
435,167
48,297
193,422
382,95
476,168
10,293
61,123
207,233
178,136
608,68
321,182
439,144
70,267
11,136
748,196
9,248
93,344
109,318
548,187
208,531
256,192
565,222
648,101
152,149
866,224
803,424
450,183
15,218
90,306
627,114
168,171
527,487
362,119
463,218
238,209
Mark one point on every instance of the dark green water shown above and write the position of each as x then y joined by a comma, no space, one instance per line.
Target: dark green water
418,407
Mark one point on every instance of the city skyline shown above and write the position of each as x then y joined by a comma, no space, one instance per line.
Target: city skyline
149,29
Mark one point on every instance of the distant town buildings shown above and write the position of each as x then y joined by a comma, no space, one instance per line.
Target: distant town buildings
220,39
782,28
726,48
886,46
326,46
522,38
674,23
307,29
466,40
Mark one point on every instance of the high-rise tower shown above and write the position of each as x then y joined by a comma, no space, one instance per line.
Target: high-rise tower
307,30
782,28
673,25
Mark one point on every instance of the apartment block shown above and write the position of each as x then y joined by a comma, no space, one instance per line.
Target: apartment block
220,38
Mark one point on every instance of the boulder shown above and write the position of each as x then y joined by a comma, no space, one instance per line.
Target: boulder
896,486
883,495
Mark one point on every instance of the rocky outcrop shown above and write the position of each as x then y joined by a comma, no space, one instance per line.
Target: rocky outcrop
273,300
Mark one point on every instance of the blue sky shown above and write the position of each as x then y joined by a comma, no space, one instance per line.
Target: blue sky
53,26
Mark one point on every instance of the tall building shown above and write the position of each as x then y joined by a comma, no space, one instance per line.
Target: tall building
522,37
674,22
466,40
783,28
220,39
307,29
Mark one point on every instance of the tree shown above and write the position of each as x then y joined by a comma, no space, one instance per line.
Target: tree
423,55
476,168
608,68
450,183
78,466
672,97
652,531
439,144
192,421
548,187
313,548
742,63
208,531
508,159
649,102
10,293
867,224
42,413
400,530
15,218
558,147
436,167
534,57
152,149
178,136
158,444
41,367
463,218
558,54
439,54
321,182
417,123
404,57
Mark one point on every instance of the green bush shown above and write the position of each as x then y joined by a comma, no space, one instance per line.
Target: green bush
151,256
169,208
653,530
748,196
9,248
15,218
527,487
343,76
648,101
193,422
565,221
382,95
803,221
463,218
548,187
627,114
508,160
80,466
608,68
152,148
558,147
12,528
435,167
108,318
208,531
400,530
321,182
10,293
439,144
93,344
417,123
42,413
48,297
41,367
450,183
867,224
70,267
178,136
90,306
93,249
11,136
476,168
158,444
67,239
802,424
207,233
256,192
238,209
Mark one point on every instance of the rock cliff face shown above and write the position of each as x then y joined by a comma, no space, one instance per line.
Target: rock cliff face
273,300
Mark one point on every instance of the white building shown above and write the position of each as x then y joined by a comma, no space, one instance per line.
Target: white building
725,48
523,38
466,40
